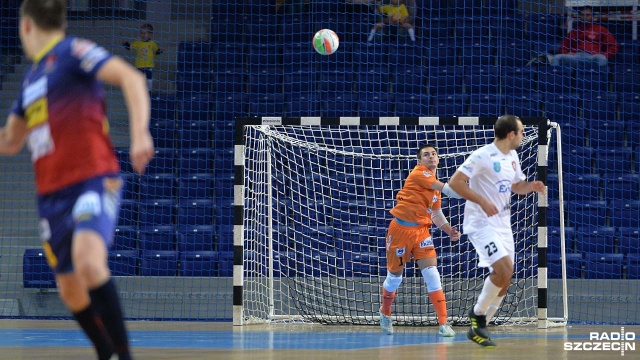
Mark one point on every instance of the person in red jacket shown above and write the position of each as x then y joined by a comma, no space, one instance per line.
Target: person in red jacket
587,42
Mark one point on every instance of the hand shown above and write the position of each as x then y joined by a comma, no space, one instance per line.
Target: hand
489,208
141,152
538,187
455,234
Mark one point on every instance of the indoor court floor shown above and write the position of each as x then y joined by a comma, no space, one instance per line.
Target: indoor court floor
51,339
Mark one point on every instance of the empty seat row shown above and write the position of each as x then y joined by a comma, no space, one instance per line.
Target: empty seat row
595,266
596,239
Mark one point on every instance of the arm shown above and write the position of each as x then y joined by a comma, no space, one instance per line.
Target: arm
610,43
134,88
439,220
445,189
525,187
458,183
13,135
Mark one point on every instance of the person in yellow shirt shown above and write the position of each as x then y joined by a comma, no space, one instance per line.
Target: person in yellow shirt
395,13
144,51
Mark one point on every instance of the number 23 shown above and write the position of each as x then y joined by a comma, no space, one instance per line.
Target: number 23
491,248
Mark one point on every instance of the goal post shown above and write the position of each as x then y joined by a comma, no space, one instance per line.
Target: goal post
311,202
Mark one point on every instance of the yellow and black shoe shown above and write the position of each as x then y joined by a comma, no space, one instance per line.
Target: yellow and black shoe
478,332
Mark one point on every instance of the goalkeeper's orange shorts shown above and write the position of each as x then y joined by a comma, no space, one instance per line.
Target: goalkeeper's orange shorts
405,240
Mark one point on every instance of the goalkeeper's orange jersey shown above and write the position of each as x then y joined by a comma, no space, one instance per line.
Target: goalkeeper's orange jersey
416,200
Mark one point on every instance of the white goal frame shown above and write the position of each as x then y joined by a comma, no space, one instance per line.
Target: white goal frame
544,131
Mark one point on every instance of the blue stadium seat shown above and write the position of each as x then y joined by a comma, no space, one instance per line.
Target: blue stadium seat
555,80
300,81
196,186
225,266
446,80
199,263
625,213
526,265
626,78
125,238
595,239
263,30
336,81
130,187
163,109
410,80
197,108
230,106
479,54
123,262
196,135
162,162
485,105
574,264
607,135
163,133
228,28
505,27
195,161
366,57
196,213
372,81
300,57
407,57
450,105
157,238
629,108
514,54
128,215
554,239
613,160
471,29
228,82
582,187
267,105
443,54
543,28
525,105
156,213
157,187
375,104
448,264
36,272
265,82
592,80
633,266
562,109
224,237
194,56
339,104
574,136
229,57
603,266
577,160
159,263
413,105
192,84
297,28
599,109
587,213
628,239
483,81
303,104
623,186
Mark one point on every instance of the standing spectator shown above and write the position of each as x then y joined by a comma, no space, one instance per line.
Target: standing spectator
486,179
395,13
60,112
418,207
586,43
145,51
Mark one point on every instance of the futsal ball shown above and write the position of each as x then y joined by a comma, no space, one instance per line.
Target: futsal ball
326,42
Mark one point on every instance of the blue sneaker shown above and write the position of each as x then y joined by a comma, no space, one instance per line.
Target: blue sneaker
385,324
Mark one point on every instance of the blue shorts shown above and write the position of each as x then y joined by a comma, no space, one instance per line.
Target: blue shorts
90,205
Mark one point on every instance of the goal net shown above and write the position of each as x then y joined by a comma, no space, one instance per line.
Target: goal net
312,216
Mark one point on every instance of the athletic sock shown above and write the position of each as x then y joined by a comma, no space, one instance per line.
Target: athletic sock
412,34
387,300
489,293
108,304
371,34
495,305
440,304
90,321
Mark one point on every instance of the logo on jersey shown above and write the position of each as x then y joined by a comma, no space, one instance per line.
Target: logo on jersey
428,242
496,166
504,186
434,199
513,165
426,173
400,252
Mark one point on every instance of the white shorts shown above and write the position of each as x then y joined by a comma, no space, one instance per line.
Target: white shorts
492,245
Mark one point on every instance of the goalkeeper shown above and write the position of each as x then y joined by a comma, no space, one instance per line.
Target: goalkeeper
418,205
395,13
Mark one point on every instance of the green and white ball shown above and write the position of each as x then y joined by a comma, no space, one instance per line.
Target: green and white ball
326,42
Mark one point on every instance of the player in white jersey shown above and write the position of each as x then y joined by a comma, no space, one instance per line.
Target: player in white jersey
486,179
